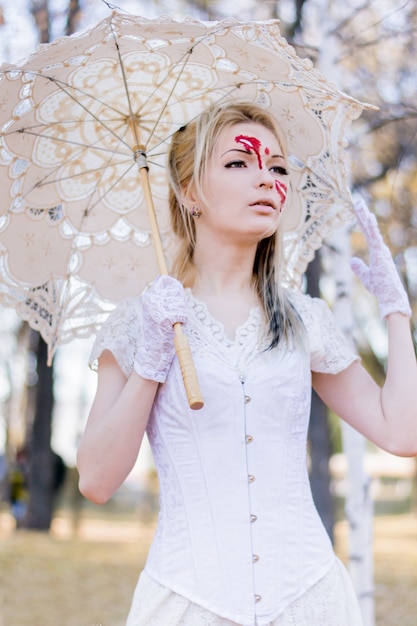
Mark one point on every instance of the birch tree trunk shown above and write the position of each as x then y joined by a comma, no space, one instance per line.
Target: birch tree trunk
359,505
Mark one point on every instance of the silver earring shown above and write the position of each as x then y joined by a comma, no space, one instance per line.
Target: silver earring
196,212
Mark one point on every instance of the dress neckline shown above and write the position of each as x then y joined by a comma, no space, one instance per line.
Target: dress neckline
250,327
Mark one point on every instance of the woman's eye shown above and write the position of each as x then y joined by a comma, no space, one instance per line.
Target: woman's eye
279,169
235,164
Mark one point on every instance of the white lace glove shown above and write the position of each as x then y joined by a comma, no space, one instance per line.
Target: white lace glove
381,277
163,304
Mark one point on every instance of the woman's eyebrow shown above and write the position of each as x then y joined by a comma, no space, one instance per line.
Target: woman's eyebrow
235,150
271,156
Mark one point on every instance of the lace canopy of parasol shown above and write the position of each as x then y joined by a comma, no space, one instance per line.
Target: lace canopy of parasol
79,115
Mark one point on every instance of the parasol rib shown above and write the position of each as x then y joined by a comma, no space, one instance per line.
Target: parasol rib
65,88
158,119
71,142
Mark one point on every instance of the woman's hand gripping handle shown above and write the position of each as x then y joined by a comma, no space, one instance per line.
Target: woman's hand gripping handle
164,313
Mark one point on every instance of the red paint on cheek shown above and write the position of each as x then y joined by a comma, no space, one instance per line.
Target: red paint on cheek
282,190
251,143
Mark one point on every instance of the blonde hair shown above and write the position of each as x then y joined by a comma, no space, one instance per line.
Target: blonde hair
191,148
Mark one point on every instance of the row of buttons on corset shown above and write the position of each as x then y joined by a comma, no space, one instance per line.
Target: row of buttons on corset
253,517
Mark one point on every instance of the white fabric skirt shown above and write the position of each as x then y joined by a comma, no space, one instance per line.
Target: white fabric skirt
330,602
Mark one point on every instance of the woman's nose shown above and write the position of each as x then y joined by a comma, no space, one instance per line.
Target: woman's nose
266,179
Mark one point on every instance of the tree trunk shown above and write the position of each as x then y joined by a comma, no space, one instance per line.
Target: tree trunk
40,12
320,452
319,432
359,505
46,469
42,463
74,11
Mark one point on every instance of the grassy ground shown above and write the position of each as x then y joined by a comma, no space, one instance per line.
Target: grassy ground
87,578
395,566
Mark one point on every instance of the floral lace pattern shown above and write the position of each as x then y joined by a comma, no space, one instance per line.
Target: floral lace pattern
163,304
200,56
208,337
122,334
329,351
330,602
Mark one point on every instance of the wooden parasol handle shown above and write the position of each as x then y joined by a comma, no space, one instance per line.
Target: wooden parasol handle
182,347
188,371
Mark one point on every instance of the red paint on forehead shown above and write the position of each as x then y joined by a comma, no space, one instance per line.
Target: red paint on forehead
251,143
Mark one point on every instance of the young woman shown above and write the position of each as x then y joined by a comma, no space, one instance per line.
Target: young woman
239,540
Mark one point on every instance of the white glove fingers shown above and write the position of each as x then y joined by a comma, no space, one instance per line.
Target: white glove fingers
381,277
358,266
367,221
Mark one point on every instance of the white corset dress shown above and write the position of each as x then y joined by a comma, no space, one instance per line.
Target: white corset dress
238,533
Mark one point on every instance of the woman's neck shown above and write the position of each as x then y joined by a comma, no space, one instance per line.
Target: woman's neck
224,281
223,269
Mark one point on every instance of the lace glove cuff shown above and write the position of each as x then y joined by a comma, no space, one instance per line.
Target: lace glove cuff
163,304
380,277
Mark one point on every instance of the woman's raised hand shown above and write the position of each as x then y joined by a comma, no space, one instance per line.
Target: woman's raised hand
380,277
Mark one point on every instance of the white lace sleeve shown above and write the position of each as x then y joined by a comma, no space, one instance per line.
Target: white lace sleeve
121,334
330,352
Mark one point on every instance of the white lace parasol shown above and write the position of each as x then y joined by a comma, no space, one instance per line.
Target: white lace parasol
79,113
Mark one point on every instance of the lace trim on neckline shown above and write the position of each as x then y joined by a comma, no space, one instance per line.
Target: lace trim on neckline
248,329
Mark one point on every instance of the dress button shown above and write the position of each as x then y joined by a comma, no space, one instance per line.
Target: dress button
253,518
258,598
249,438
247,399
255,558
251,478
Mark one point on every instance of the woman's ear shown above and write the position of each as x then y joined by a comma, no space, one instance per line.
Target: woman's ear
189,197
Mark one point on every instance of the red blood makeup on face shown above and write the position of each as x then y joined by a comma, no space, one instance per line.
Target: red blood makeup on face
251,143
282,192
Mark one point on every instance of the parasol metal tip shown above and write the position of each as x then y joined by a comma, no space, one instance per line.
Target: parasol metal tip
139,155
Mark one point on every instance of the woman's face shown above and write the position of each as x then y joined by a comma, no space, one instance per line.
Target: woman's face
245,184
